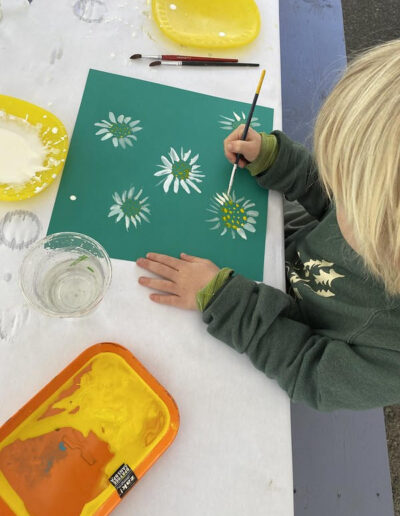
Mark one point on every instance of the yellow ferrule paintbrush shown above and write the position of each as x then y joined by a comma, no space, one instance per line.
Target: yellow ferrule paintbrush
244,135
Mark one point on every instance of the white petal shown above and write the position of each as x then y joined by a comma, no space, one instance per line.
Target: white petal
131,192
193,185
250,220
213,220
124,196
227,118
243,116
111,116
120,119
136,129
146,209
167,182
255,124
143,200
248,204
127,119
139,194
225,122
126,222
106,137
117,198
185,186
176,185
122,143
249,227
138,219
144,217
162,172
115,142
134,221
128,142
135,122
173,155
194,159
186,155
166,162
120,216
216,226
102,131
252,213
227,128
236,116
195,179
103,124
224,231
241,233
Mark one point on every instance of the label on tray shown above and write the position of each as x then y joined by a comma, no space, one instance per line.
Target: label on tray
123,479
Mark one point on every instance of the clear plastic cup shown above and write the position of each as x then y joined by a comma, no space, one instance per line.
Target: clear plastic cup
65,274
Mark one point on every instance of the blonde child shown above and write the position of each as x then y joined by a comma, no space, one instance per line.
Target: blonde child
332,341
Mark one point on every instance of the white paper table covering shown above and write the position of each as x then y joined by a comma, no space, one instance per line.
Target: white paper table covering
232,455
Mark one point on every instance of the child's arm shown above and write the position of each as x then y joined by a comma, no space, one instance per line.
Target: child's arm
266,324
315,369
280,164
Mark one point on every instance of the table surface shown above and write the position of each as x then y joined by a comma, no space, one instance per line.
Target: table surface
232,454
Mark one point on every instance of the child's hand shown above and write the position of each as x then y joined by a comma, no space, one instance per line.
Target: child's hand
249,148
182,279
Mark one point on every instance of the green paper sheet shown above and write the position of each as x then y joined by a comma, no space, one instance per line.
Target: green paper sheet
143,168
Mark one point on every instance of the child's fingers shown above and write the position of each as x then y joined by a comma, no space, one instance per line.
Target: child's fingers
157,284
157,268
237,147
170,261
190,258
236,134
166,299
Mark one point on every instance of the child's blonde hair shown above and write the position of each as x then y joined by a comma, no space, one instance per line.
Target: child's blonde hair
357,148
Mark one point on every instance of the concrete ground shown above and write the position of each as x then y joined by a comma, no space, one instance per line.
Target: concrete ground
368,23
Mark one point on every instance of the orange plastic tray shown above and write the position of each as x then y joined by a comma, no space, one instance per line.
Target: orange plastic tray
85,439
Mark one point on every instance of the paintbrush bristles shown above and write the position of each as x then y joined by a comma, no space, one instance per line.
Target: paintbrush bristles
231,179
136,56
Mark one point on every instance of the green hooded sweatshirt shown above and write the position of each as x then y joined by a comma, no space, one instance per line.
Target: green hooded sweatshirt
334,343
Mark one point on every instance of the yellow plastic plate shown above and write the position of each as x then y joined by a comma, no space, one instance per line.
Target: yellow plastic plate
54,137
208,23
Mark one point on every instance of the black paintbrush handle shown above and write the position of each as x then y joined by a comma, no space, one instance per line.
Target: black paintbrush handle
246,128
215,63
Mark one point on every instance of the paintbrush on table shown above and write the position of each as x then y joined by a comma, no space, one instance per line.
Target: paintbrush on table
246,129
201,63
173,57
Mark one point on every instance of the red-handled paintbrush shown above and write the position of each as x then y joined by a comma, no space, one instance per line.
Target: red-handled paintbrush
166,57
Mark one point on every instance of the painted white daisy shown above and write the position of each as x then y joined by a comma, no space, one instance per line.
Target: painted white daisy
121,129
130,206
233,214
181,171
229,123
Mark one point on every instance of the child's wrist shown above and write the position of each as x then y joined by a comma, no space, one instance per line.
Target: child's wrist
206,294
267,156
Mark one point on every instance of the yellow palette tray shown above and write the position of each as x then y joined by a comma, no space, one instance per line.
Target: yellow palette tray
86,438
208,23
54,138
